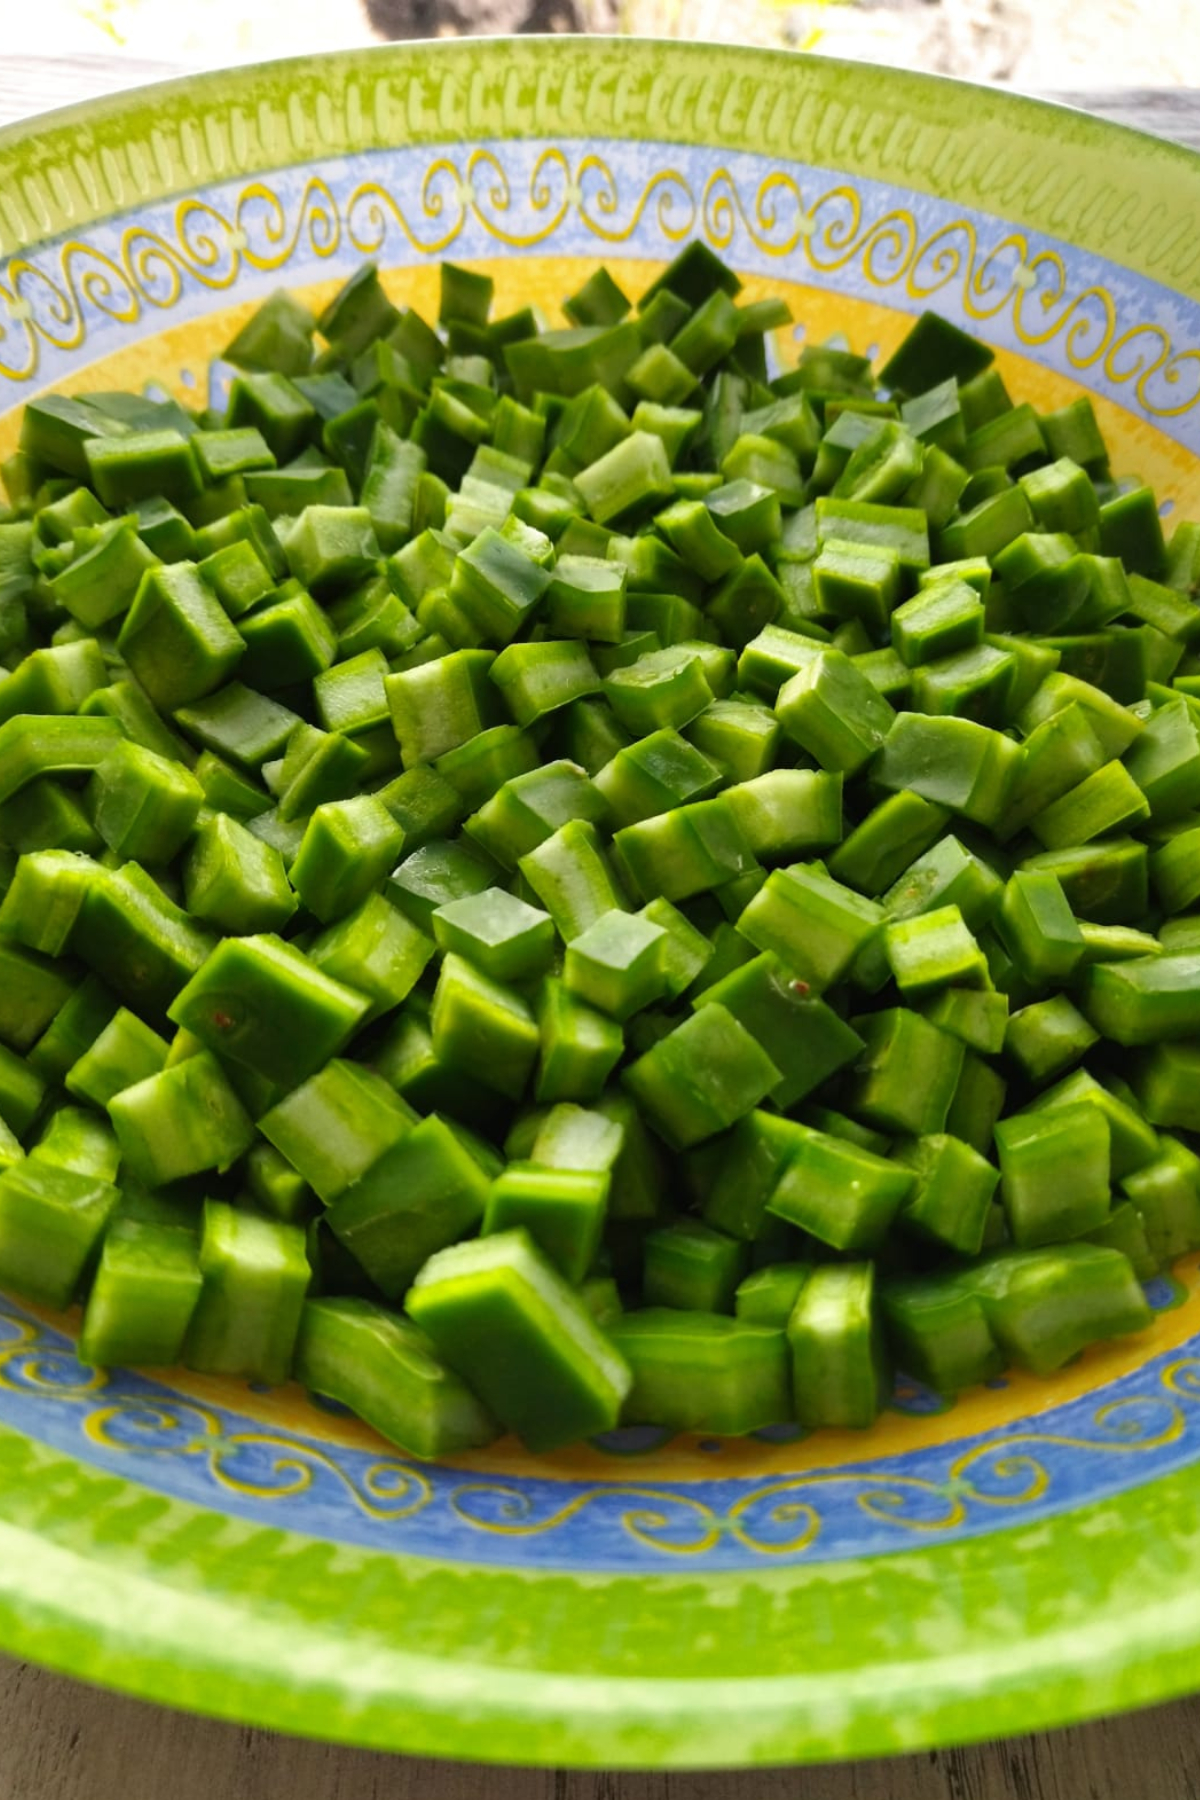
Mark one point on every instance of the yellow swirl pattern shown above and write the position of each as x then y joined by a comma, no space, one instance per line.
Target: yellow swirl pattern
286,1467
666,1520
30,1363
826,231
784,1517
1011,1470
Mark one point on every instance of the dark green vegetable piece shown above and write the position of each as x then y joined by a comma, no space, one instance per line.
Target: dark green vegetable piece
653,775
1133,1143
1055,1173
235,882
145,1291
702,1077
239,724
438,874
937,1330
76,1139
441,704
833,712
705,1372
177,638
674,856
578,1049
144,807
805,1038
265,1005
691,1267
423,1193
100,581
932,951
1143,1001
951,762
563,1211
812,923
932,350
276,1186
617,964
55,428
45,813
1048,1037
663,688
184,1120
271,403
839,1193
123,926
746,1168
32,747
55,680
1166,1193
572,877
768,1295
73,1029
336,1125
1039,928
33,989
839,1367
288,639
277,336
1164,761
906,1078
483,1028
387,1371
51,1222
1165,1082
140,464
124,1052
502,1316
347,848
500,934
1044,1306
953,1194
255,1275
886,842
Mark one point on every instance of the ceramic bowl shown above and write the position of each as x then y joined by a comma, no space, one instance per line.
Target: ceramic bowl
1028,1556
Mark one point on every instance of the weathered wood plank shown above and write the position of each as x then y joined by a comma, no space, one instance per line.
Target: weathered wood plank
60,1740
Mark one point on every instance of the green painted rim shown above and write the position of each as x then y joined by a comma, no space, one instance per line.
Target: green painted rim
977,1639
1121,193
1078,1614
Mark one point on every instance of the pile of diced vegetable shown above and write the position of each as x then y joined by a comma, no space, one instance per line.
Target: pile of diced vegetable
555,878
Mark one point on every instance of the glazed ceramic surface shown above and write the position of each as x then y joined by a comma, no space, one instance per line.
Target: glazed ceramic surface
1027,1556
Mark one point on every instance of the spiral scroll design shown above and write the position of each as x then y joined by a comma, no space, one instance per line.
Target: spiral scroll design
50,300
1148,1424
253,1463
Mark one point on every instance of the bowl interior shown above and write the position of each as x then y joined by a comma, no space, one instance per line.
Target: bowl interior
137,237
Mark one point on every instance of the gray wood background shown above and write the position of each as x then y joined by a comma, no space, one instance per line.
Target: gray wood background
60,1740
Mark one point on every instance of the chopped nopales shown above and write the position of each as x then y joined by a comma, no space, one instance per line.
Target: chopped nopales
503,1317
264,1004
388,1372
552,878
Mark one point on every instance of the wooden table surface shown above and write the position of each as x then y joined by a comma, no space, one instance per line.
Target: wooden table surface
60,1740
